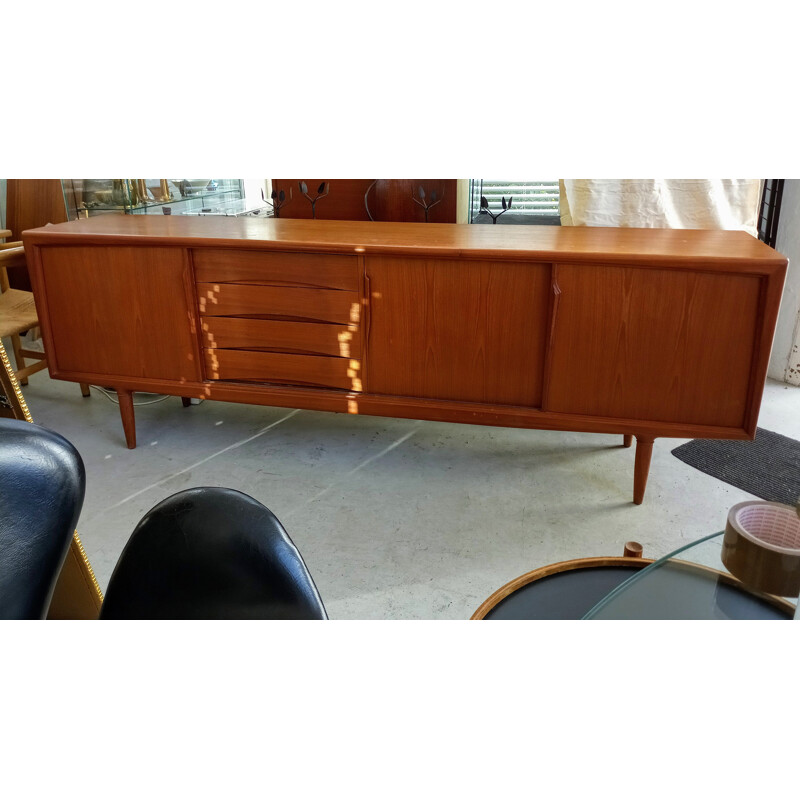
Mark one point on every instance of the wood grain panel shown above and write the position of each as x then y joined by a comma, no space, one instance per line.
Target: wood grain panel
653,344
282,335
389,199
30,204
771,291
33,203
650,333
282,368
678,249
470,332
344,202
235,299
118,310
392,200
295,269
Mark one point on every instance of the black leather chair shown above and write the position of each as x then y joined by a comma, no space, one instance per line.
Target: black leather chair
211,553
42,484
206,553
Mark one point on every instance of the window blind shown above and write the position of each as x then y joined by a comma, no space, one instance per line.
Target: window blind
536,198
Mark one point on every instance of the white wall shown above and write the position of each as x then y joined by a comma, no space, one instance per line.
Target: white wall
462,201
784,363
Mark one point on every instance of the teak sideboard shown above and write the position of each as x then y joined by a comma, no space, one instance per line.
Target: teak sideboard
638,332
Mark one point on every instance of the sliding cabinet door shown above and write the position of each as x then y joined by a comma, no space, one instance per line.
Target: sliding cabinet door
457,330
653,344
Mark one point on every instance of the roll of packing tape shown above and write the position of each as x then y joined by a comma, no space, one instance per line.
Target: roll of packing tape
762,547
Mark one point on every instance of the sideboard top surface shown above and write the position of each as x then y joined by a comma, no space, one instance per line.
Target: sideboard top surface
545,243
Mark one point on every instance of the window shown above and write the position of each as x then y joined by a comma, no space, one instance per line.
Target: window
533,202
770,211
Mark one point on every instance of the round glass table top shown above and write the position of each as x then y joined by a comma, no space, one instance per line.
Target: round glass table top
690,583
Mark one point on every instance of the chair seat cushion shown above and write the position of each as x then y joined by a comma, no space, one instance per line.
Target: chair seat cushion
17,312
42,483
211,553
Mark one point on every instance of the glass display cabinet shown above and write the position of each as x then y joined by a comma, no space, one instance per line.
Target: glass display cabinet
206,196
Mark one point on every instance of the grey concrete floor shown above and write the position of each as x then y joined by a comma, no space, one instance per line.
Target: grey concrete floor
396,519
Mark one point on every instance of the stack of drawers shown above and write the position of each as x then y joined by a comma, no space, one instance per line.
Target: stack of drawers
280,318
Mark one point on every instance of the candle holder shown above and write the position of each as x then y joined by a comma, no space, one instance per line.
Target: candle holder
424,203
484,209
278,201
322,191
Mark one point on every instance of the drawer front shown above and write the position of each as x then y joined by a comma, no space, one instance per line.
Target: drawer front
287,337
318,305
312,270
282,368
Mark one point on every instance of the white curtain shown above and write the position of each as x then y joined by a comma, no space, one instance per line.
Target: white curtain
729,204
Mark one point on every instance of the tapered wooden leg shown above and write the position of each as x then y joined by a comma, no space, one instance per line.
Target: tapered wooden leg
126,412
16,346
187,401
85,390
627,439
641,469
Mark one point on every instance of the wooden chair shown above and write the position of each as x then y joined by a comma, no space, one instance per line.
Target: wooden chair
18,314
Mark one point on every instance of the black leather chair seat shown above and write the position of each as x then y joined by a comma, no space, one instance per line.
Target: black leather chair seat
205,553
211,553
42,485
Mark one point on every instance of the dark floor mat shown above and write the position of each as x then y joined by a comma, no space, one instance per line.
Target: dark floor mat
768,467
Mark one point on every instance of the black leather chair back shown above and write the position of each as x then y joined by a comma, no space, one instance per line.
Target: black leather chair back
42,485
211,553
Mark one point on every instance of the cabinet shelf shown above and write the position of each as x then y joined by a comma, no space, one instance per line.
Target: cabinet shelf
85,198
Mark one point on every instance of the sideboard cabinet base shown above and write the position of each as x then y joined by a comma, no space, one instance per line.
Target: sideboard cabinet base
633,332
